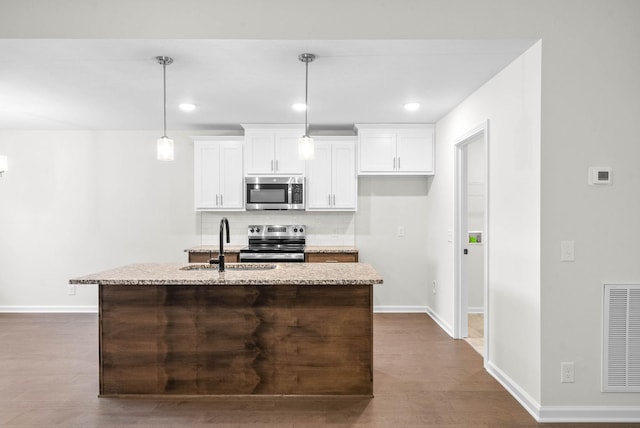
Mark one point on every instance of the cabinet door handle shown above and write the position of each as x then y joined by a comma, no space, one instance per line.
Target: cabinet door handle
334,199
272,166
394,163
329,199
398,162
277,168
217,204
221,203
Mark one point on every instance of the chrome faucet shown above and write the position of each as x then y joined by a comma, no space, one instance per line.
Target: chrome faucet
223,223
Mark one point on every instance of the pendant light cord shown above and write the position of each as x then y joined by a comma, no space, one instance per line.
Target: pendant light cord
164,91
306,98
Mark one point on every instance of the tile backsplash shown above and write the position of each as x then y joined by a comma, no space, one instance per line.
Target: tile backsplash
323,228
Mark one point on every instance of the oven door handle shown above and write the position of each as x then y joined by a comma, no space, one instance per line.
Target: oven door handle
272,257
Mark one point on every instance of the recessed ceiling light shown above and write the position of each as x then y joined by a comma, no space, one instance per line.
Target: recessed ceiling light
187,107
299,107
412,106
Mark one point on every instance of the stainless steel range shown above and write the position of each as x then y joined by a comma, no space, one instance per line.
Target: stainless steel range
275,243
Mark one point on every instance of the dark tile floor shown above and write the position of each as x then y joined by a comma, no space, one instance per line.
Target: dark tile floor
422,378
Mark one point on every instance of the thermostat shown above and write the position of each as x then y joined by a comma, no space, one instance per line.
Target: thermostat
599,175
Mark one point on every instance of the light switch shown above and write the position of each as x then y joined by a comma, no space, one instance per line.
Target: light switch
567,251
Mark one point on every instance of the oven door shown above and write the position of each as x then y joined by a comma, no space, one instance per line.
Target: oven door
271,257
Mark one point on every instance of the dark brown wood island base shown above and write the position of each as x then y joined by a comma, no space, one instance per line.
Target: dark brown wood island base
286,331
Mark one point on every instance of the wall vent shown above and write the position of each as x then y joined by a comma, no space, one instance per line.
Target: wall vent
621,341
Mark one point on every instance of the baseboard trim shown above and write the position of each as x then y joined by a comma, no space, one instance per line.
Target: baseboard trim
587,414
384,309
475,310
525,400
49,309
564,414
442,323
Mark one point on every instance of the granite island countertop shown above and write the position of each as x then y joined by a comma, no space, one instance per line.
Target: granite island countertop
283,274
232,248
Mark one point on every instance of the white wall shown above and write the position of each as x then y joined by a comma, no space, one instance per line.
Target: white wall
384,204
511,102
589,110
77,202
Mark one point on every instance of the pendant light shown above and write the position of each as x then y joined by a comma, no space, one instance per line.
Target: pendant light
165,144
305,143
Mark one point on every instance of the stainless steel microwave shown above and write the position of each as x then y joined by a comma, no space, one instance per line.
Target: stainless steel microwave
274,193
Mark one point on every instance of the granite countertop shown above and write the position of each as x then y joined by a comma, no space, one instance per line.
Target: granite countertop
330,249
230,248
200,274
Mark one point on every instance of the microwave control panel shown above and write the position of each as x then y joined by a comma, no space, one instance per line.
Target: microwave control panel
297,194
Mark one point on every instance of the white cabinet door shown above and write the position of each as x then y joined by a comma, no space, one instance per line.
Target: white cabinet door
415,153
273,149
344,177
259,156
217,174
319,177
231,177
377,152
286,155
206,175
332,182
396,149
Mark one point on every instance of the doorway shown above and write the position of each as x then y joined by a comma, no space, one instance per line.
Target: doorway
471,239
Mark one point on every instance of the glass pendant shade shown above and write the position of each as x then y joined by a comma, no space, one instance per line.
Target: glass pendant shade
165,149
305,148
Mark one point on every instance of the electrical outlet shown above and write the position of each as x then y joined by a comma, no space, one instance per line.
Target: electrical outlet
434,286
567,251
71,290
401,231
567,374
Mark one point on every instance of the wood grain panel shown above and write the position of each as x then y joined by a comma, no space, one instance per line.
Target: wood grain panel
203,257
236,340
331,257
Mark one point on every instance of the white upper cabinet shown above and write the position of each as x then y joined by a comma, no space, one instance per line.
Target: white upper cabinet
218,176
396,149
273,149
332,182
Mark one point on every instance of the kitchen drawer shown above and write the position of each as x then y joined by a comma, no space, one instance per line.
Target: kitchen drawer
197,257
331,257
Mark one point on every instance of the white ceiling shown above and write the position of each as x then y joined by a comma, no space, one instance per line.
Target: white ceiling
117,84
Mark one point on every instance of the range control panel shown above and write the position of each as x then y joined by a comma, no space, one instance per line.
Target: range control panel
277,231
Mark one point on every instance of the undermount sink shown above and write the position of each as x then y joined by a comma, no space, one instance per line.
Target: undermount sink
231,266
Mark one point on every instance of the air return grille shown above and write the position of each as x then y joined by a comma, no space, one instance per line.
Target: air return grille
621,338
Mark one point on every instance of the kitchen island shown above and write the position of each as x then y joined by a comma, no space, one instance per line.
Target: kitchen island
289,329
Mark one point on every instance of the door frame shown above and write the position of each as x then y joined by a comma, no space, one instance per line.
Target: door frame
460,323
